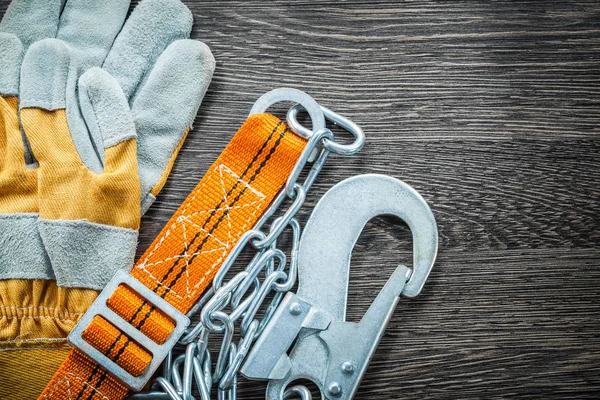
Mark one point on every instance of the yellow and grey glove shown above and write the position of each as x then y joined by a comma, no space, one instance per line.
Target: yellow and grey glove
85,158
88,220
22,254
163,76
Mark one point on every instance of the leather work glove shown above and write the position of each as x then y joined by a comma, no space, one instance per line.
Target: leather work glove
106,107
163,76
35,315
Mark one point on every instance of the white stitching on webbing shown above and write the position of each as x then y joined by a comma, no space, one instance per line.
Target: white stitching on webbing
190,222
226,202
185,256
66,379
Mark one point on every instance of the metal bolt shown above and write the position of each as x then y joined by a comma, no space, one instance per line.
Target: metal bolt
335,389
295,309
348,367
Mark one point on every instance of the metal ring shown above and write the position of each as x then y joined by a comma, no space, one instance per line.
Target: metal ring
337,119
296,96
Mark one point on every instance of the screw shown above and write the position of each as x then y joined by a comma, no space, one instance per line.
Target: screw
295,309
335,389
348,367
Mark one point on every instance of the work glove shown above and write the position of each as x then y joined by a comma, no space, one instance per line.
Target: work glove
22,253
163,76
35,315
93,181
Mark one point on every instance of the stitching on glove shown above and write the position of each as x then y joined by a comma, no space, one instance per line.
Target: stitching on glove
89,225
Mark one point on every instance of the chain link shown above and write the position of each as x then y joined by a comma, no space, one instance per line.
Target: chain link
241,298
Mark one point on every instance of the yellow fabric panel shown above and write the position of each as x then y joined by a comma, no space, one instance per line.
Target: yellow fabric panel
161,182
25,372
68,189
18,184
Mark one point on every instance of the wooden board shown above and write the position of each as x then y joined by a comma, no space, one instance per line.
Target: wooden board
492,111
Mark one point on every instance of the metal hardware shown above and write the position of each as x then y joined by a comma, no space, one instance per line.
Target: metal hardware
337,119
298,390
305,157
318,114
234,304
331,352
293,95
159,352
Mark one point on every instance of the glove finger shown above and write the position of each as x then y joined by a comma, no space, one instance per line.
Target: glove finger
12,151
106,108
11,55
49,81
44,77
31,20
106,111
90,27
152,26
6,125
165,108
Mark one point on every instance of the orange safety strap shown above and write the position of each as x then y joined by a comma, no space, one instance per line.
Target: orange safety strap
183,259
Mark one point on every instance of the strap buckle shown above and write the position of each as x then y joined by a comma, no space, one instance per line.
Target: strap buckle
159,352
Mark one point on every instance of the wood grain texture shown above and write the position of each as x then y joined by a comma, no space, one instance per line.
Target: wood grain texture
492,111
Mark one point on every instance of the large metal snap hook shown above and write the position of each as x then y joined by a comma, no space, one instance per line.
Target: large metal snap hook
331,352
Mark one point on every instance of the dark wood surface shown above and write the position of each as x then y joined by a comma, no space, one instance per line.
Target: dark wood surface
491,111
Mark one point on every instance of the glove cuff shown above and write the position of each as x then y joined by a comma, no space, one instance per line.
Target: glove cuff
85,254
22,254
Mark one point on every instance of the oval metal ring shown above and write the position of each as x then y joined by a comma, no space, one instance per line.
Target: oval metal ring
293,95
337,119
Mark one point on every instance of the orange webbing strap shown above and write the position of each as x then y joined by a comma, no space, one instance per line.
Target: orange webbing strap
183,259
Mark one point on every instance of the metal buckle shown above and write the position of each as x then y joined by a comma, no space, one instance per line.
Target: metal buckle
159,352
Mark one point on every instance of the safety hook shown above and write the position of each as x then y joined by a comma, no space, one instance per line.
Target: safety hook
331,352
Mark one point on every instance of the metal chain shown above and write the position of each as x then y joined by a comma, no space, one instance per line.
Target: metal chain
237,301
